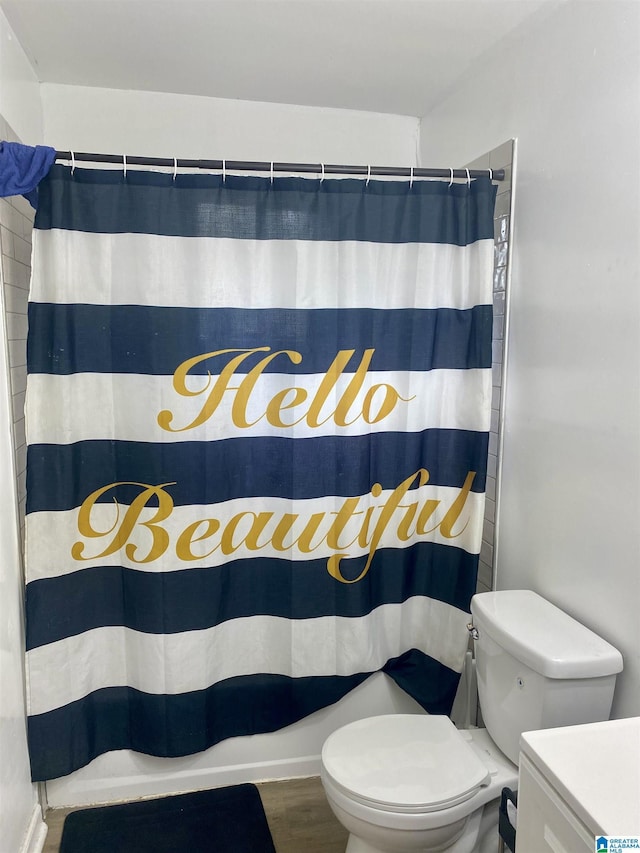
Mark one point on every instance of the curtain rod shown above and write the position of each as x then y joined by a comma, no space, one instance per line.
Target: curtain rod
265,166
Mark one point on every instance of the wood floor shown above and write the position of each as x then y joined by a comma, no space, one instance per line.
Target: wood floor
299,818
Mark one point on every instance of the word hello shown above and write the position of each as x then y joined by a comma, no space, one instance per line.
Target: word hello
358,521
377,403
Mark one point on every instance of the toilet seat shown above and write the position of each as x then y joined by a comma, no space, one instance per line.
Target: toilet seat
404,763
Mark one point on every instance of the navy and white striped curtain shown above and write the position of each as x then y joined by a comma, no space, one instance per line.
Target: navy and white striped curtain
258,418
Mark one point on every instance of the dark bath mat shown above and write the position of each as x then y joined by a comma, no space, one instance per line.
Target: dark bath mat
224,820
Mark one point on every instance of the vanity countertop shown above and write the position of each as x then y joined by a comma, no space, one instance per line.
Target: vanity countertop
596,769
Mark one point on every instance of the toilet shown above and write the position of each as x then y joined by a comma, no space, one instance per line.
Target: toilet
414,782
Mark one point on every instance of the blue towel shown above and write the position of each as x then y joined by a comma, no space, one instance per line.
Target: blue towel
22,168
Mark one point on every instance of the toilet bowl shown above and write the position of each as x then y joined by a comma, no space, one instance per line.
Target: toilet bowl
411,782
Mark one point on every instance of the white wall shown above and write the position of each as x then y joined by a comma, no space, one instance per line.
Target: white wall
157,124
21,825
568,87
19,88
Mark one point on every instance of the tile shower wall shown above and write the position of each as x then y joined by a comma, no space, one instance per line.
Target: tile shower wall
500,158
16,225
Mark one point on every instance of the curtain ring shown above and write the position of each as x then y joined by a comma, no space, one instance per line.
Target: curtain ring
411,178
224,171
468,179
73,163
272,173
451,181
175,167
322,168
491,174
368,175
124,166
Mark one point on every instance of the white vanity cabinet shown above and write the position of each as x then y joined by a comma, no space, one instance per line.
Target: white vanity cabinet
578,783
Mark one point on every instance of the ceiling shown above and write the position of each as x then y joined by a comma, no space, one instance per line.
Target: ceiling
390,56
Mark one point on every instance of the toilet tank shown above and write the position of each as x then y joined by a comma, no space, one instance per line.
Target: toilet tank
537,667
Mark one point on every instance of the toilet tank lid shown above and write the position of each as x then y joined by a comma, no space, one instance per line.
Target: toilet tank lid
543,637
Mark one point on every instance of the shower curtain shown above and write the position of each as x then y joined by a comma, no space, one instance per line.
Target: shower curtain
258,416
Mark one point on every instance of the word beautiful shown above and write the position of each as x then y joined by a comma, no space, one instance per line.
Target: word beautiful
286,399
358,524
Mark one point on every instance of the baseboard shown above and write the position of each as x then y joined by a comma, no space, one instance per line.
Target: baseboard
36,833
